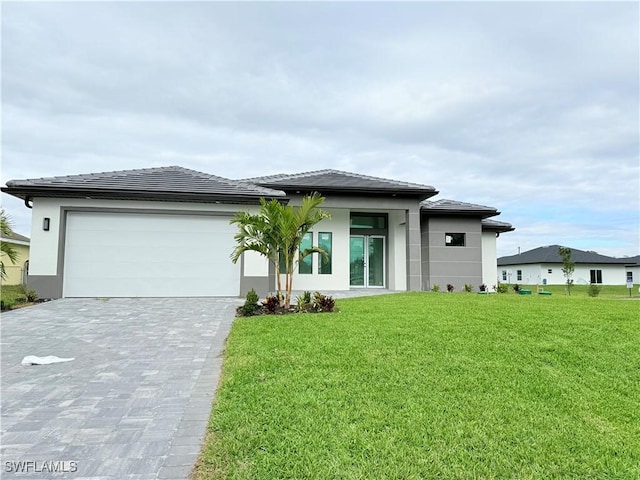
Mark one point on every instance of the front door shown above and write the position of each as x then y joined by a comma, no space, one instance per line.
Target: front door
367,261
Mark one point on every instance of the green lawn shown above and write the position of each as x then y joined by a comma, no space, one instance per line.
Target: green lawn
423,385
606,291
12,295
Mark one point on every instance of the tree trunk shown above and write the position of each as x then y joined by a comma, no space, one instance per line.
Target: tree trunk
278,283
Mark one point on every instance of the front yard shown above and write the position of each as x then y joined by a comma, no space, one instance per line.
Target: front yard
424,385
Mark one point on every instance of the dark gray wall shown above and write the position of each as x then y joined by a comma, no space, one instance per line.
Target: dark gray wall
262,285
455,265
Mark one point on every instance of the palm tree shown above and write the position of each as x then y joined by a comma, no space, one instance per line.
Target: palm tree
260,233
296,223
276,232
6,249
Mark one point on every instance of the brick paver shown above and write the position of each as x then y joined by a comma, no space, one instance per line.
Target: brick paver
134,403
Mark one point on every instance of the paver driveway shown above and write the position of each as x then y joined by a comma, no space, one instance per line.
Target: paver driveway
135,401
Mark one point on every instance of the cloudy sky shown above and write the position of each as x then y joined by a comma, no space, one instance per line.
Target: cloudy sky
532,108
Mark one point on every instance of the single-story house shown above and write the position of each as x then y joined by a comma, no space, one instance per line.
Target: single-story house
632,269
16,272
543,265
166,232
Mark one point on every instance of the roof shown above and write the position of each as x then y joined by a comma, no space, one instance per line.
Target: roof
453,207
16,237
632,261
489,225
162,183
549,254
343,182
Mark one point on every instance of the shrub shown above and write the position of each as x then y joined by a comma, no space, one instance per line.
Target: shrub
502,288
594,290
450,288
483,288
435,288
516,288
31,295
323,303
271,304
304,302
468,288
250,306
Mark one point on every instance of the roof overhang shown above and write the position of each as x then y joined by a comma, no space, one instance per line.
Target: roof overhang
29,193
498,227
16,242
434,212
416,194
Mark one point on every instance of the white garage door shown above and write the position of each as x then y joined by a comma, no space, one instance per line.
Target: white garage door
149,255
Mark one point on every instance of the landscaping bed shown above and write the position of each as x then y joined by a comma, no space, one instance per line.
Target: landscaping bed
16,296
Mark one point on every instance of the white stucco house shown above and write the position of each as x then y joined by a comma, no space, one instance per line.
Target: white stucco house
165,232
543,266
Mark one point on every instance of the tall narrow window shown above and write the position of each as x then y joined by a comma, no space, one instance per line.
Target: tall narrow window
519,275
504,275
306,264
596,276
630,277
324,242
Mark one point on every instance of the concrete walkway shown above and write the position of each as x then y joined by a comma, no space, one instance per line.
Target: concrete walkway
134,403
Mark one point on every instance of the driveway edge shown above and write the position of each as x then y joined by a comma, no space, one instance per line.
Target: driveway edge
187,442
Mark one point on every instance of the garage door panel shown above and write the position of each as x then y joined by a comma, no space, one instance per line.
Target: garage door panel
122,254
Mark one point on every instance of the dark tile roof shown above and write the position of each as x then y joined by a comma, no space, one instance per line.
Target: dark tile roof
157,183
549,254
496,226
448,207
17,237
631,261
339,181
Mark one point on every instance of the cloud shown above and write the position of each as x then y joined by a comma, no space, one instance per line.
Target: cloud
511,105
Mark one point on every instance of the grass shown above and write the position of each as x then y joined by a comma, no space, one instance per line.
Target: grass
423,385
12,295
606,291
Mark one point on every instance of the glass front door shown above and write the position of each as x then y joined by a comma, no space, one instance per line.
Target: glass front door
367,261
357,263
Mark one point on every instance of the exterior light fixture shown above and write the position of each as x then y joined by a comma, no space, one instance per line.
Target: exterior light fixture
45,223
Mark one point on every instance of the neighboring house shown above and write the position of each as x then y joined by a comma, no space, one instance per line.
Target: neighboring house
16,272
166,232
543,265
632,269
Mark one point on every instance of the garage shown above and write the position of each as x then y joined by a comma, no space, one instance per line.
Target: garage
120,254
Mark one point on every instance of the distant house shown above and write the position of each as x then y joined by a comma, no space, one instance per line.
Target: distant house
632,269
543,265
165,232
17,272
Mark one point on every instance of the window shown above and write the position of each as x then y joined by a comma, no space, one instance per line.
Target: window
504,275
364,221
550,270
629,277
306,264
324,263
519,275
596,276
454,239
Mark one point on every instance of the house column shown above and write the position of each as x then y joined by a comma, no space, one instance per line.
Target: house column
414,263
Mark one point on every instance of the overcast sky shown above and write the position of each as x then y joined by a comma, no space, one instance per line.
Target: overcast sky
532,108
